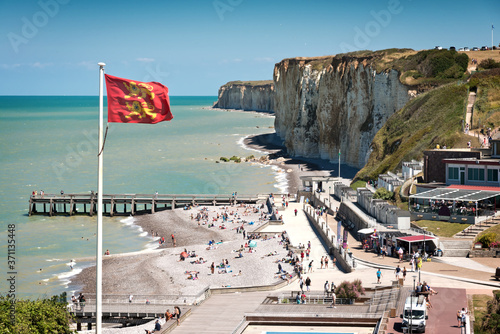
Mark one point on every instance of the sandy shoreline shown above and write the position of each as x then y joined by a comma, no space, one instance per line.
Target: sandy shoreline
160,273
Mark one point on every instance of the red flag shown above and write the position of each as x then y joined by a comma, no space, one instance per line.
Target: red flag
132,101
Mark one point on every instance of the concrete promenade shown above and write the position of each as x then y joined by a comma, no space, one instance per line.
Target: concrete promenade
222,313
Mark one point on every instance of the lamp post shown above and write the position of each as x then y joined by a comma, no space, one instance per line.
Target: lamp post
411,305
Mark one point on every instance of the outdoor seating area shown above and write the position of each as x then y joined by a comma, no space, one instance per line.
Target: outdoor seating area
450,202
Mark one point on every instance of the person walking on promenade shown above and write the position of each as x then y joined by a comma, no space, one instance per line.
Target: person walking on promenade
311,266
308,284
404,274
301,284
322,262
397,272
302,256
327,288
295,211
412,264
379,275
334,262
326,262
334,299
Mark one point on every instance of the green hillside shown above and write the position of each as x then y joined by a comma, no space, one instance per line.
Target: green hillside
430,119
433,118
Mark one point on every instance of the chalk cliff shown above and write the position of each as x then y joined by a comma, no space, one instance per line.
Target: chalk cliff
326,104
247,95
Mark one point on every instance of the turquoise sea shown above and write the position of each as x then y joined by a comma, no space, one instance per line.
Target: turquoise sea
49,143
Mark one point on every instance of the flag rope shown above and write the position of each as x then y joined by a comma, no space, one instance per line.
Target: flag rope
104,140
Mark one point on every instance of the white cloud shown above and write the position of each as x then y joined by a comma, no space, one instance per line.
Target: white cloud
145,60
90,65
41,65
9,66
264,59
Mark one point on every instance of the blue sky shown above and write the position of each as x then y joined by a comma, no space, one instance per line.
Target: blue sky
52,47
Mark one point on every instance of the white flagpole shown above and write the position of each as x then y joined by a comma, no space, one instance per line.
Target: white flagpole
492,27
98,314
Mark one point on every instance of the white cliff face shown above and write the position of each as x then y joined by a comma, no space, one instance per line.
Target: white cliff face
338,106
246,96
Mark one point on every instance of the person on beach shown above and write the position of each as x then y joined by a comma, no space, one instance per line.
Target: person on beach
173,240
157,327
130,298
212,268
168,315
177,312
322,262
379,275
308,284
326,262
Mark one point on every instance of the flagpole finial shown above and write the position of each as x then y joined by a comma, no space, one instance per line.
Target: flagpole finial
101,64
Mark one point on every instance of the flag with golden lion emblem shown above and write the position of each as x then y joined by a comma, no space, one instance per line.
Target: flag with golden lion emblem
131,101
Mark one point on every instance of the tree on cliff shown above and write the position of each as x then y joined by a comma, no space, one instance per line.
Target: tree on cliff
47,315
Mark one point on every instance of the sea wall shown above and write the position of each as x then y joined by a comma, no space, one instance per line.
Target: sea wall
247,95
326,104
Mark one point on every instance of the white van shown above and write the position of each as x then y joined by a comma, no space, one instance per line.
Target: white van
415,314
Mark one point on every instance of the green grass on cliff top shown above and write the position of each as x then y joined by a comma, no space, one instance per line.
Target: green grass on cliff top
250,83
430,119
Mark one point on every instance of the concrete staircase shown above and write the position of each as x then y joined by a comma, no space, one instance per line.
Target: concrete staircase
472,231
456,248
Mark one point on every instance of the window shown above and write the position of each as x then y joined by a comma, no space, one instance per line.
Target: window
476,174
493,175
453,173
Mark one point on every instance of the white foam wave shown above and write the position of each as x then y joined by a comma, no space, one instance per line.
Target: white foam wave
143,234
128,221
53,260
281,180
241,143
68,274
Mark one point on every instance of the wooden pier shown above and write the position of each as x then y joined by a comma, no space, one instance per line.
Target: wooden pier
127,204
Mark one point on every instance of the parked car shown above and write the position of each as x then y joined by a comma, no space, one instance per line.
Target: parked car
475,48
452,48
466,48
484,48
438,48
461,49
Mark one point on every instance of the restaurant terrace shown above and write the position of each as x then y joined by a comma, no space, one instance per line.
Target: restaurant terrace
454,204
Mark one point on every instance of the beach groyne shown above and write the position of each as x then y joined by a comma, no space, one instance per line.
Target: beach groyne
128,204
247,95
332,104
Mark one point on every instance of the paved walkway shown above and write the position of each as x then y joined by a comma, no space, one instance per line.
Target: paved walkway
223,313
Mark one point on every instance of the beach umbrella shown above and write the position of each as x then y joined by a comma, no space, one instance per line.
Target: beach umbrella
252,244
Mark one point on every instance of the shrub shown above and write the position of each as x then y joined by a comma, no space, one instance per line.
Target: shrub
384,194
224,159
487,239
235,159
250,157
489,63
350,290
48,315
491,321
